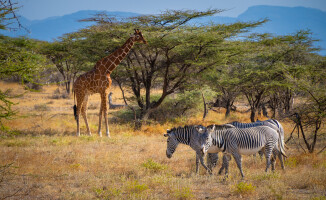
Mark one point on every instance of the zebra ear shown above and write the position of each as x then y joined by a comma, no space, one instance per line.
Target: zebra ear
200,129
212,129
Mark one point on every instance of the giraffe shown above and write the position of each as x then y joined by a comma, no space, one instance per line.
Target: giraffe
98,81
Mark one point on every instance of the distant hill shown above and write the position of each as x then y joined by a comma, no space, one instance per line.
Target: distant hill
51,28
283,20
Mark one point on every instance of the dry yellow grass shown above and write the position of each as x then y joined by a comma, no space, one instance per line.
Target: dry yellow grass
46,161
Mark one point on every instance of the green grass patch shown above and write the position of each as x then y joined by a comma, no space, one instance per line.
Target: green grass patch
134,187
243,188
153,166
267,176
291,162
184,193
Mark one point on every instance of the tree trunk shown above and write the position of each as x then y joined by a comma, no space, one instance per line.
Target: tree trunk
265,113
252,114
67,84
228,108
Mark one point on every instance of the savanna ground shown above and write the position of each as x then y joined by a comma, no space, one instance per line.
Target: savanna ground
41,158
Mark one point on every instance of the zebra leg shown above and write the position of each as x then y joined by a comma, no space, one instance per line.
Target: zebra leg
197,164
225,164
212,159
268,153
237,158
200,155
273,160
280,157
261,154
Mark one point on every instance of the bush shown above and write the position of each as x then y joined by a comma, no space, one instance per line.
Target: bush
183,105
154,166
41,107
184,193
60,95
244,188
34,86
135,187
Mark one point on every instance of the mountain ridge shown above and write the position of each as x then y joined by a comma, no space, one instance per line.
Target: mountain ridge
282,21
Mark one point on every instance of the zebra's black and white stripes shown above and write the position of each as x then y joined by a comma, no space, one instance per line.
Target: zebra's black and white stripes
194,136
274,124
246,141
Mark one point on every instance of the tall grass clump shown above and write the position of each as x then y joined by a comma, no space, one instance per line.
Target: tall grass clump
184,193
57,94
243,188
153,166
41,107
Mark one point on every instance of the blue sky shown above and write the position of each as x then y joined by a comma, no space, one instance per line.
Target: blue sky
41,9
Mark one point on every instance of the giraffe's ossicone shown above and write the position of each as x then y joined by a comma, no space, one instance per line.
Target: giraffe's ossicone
98,81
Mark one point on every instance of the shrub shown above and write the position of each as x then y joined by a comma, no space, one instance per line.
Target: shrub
319,198
107,193
244,188
34,86
153,166
183,105
184,193
135,187
291,162
41,107
57,94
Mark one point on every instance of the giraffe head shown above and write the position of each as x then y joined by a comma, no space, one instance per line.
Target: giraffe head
138,37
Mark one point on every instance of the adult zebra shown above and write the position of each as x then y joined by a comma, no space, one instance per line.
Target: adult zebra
274,124
194,136
247,141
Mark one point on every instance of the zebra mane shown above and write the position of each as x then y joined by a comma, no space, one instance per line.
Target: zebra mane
185,127
221,127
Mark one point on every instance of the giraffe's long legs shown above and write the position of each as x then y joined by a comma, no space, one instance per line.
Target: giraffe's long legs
80,100
84,114
104,100
100,120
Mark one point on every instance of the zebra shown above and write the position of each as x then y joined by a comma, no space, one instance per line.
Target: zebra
274,124
247,141
195,136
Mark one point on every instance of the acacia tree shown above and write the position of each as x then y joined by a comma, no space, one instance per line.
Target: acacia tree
17,57
310,113
177,52
262,71
66,54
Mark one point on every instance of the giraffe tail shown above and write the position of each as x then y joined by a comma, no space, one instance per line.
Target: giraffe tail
75,107
75,112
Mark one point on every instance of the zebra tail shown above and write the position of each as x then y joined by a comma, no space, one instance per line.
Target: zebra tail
281,144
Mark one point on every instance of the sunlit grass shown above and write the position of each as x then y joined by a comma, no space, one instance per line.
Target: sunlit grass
47,160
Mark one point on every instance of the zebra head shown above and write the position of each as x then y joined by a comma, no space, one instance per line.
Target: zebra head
172,142
206,141
194,136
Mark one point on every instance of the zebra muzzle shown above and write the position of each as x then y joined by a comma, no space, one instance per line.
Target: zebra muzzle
168,155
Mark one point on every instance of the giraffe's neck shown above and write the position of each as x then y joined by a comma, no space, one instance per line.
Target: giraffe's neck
109,63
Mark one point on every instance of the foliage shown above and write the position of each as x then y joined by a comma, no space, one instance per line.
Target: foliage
17,58
184,193
175,54
244,188
8,15
153,166
68,57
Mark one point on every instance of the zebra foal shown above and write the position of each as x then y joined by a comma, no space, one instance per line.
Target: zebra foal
246,141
